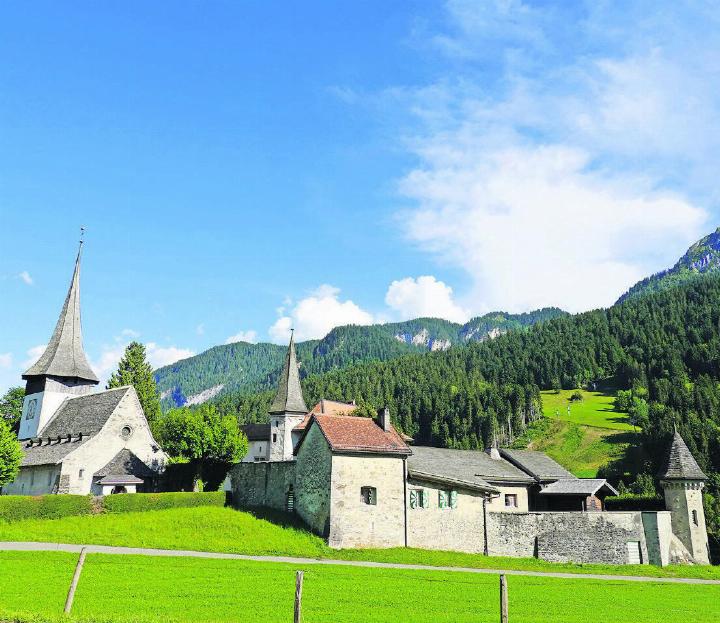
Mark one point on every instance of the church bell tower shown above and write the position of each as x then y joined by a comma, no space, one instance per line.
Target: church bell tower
288,408
63,368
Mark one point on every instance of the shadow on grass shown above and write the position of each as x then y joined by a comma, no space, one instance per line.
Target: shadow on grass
279,518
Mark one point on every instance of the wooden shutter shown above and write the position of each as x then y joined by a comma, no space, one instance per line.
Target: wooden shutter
453,499
425,499
413,498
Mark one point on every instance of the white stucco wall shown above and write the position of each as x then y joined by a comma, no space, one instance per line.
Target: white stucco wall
497,503
257,451
37,480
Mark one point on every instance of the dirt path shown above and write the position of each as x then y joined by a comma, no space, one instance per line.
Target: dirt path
106,549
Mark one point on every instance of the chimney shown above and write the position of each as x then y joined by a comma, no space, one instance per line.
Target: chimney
384,419
493,451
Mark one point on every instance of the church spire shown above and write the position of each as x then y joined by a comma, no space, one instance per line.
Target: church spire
289,398
64,355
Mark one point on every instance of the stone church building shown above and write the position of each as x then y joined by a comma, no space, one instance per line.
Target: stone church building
357,482
76,440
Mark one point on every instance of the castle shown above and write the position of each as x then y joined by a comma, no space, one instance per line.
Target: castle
356,482
75,440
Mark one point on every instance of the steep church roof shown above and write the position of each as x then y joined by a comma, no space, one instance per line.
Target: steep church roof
84,414
289,398
64,355
681,465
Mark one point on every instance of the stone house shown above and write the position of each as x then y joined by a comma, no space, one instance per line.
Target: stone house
357,482
75,440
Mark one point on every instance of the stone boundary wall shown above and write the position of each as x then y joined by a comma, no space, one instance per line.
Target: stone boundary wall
570,536
258,485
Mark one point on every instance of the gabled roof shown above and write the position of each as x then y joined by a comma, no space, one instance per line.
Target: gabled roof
328,407
125,463
680,464
538,464
64,355
356,435
578,486
46,452
120,479
84,414
289,398
446,467
468,465
256,432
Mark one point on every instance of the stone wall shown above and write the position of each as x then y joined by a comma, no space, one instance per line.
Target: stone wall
567,537
356,524
658,536
459,529
312,488
262,485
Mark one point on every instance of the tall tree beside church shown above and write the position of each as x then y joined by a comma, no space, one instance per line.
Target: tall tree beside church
135,370
11,405
10,453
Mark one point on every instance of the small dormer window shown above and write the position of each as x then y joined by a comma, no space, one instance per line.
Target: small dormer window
125,432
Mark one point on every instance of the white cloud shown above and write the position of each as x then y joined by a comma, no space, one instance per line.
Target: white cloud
315,315
6,360
33,354
160,356
243,336
25,276
424,297
129,333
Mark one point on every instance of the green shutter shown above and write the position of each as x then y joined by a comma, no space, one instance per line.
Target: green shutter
413,498
442,499
425,498
453,499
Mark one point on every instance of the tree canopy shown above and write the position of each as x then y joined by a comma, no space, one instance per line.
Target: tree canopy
11,405
135,370
10,453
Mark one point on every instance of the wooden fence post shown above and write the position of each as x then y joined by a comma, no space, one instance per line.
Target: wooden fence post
298,596
74,583
503,600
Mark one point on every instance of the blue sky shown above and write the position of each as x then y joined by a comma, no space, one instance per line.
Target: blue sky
244,167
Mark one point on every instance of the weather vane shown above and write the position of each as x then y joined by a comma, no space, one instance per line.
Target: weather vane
82,234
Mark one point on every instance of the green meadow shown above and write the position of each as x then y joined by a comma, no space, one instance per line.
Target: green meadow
595,409
142,588
217,529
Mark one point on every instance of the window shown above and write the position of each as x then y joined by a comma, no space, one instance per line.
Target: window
81,473
369,495
511,500
274,437
126,432
447,499
419,498
695,518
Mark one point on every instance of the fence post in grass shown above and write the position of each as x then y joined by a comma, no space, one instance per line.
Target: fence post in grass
298,596
503,600
74,583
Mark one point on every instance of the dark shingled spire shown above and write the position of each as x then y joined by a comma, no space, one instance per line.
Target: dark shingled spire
681,465
64,355
289,398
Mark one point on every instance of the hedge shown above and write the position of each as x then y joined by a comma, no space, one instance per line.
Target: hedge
131,502
634,503
19,507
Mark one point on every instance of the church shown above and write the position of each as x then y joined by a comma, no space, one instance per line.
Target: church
358,482
74,439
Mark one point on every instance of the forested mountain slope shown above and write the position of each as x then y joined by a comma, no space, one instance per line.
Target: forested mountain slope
243,367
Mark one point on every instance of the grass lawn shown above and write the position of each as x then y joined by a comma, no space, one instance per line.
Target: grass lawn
216,529
139,588
595,409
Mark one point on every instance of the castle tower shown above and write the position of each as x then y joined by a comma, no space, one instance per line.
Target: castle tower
288,408
682,481
62,370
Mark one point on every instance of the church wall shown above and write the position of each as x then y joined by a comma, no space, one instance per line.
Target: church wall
257,451
100,450
36,480
682,498
356,524
312,481
458,529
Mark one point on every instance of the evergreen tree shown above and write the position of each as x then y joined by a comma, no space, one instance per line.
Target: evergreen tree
10,454
11,405
134,370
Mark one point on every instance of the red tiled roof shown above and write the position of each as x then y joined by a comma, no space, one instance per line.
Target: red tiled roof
327,407
358,434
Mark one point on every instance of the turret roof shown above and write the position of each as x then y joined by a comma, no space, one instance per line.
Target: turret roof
680,464
64,355
289,397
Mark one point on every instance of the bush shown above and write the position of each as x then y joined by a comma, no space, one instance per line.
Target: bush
634,503
19,507
132,502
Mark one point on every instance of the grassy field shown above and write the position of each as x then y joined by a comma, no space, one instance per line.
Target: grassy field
139,588
595,409
216,529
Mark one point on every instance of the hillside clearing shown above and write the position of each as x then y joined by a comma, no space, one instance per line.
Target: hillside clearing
139,588
214,529
595,409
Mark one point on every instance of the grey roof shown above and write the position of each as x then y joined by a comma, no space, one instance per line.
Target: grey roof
64,355
125,463
577,486
468,466
256,432
84,414
49,453
538,464
680,462
289,398
120,479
